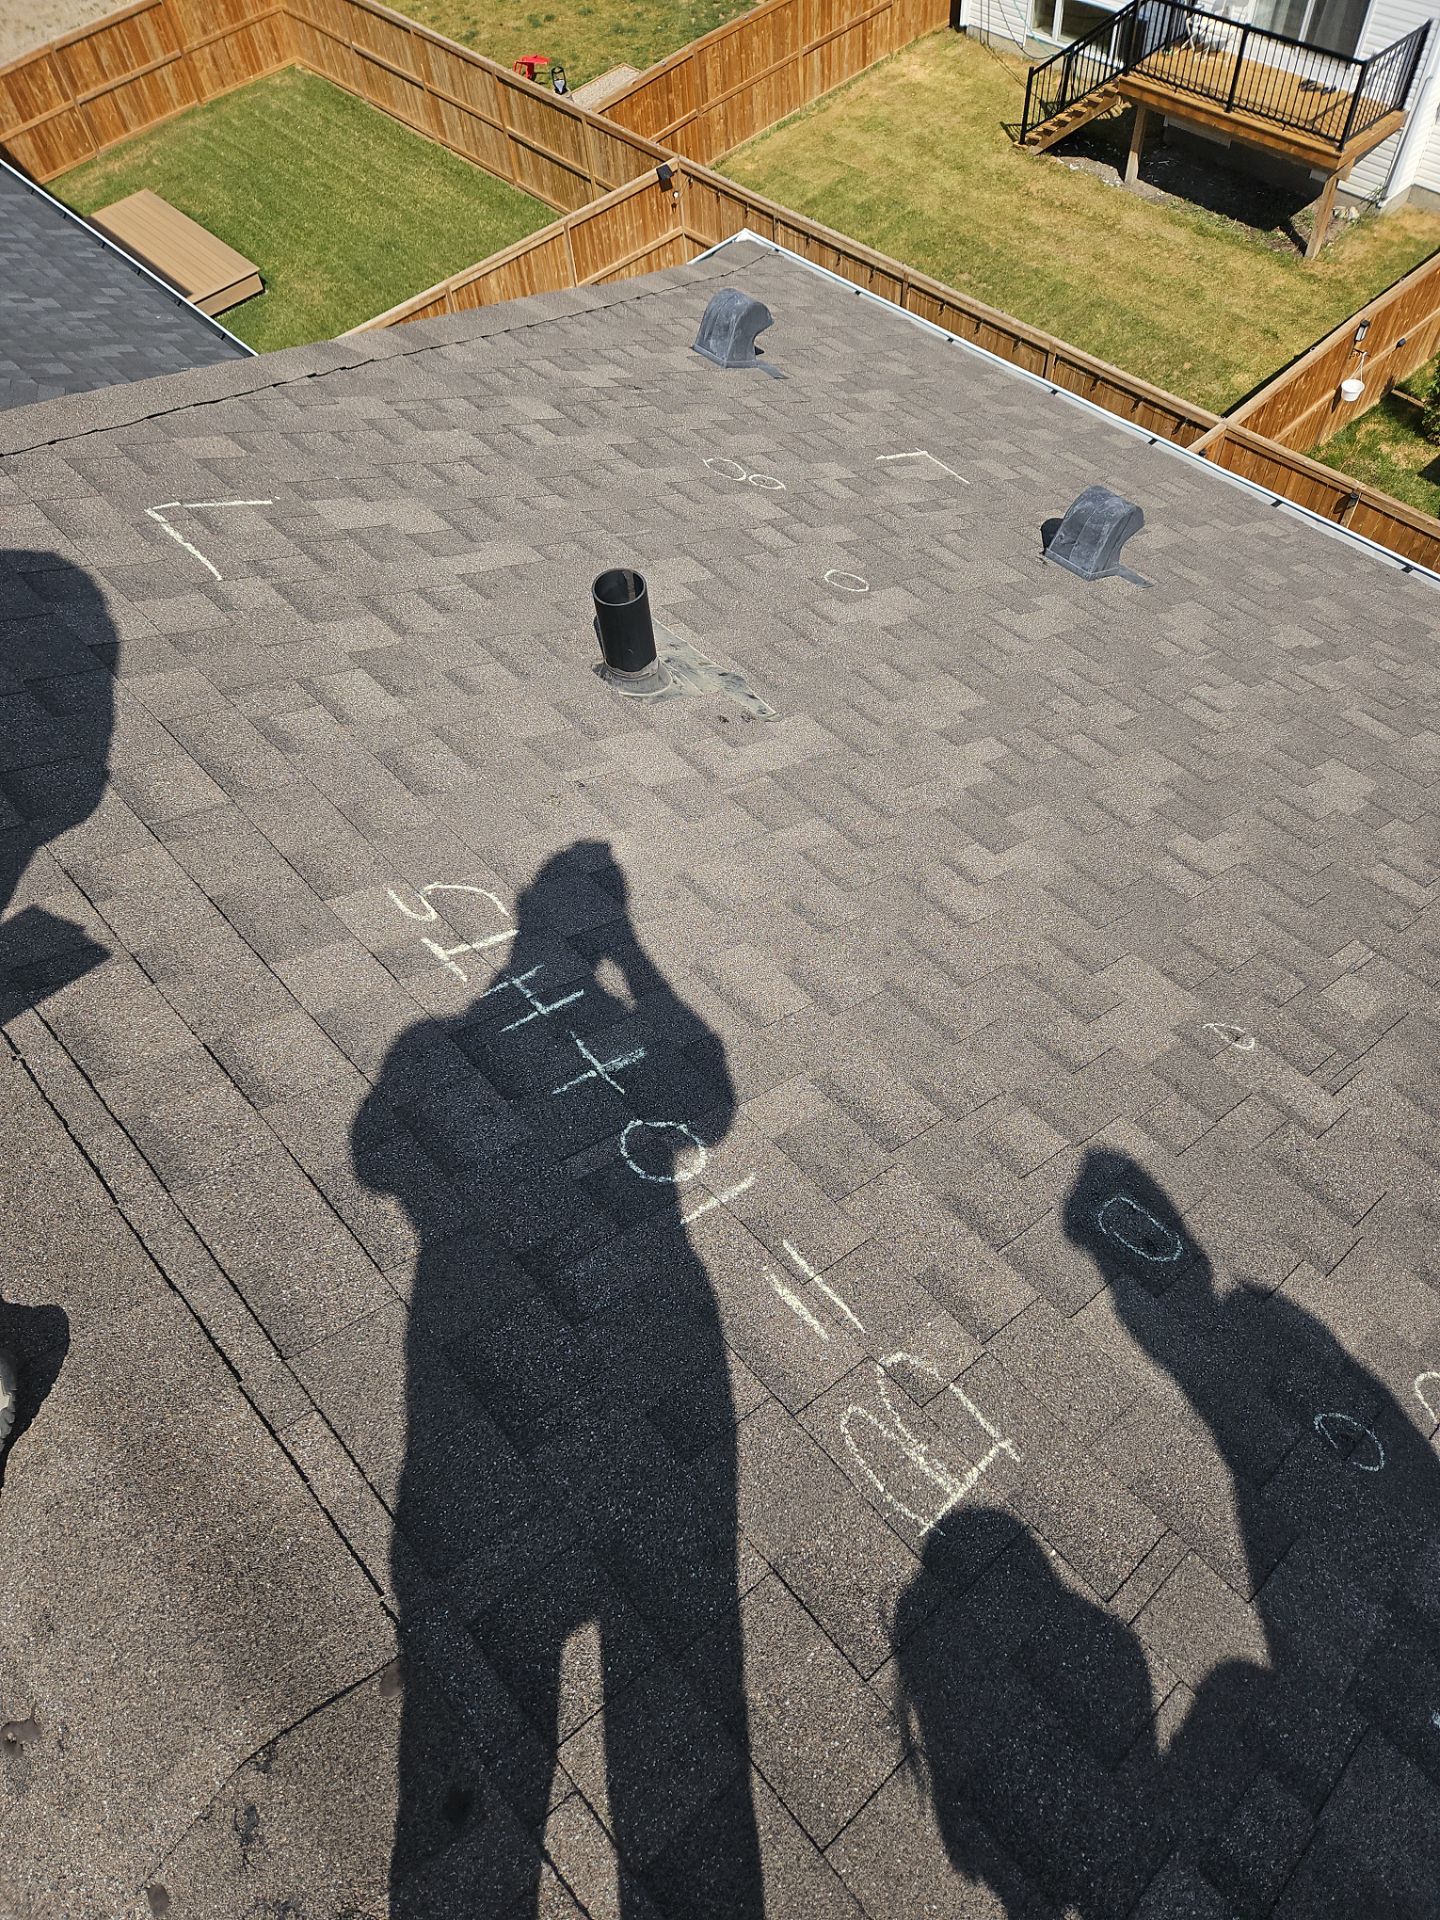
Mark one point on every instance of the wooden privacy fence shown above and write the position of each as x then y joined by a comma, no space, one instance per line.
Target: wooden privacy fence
525,134
636,229
84,93
715,208
1334,496
1301,407
89,90
745,76
641,227
81,94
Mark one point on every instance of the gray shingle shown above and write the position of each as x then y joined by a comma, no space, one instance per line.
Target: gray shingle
76,313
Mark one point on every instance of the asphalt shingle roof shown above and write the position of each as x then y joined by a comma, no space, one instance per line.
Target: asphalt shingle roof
77,313
861,1285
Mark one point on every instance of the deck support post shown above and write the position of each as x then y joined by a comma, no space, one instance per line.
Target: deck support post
1137,142
1324,207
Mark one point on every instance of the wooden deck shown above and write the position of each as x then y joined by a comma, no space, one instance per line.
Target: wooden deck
215,277
1194,83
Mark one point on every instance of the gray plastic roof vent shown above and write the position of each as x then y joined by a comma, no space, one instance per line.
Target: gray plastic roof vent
1088,540
728,329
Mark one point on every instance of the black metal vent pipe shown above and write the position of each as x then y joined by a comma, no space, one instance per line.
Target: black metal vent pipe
622,620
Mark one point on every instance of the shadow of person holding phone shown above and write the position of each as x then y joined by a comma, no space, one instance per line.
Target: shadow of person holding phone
564,1359
58,650
1058,1775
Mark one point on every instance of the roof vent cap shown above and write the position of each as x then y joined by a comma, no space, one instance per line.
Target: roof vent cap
728,329
1089,538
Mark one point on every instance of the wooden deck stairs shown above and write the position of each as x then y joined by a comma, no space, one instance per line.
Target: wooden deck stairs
1076,115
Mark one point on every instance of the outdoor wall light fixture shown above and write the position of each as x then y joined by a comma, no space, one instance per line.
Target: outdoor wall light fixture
664,173
1360,333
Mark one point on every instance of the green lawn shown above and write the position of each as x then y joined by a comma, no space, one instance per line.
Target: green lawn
1384,447
344,211
912,158
588,39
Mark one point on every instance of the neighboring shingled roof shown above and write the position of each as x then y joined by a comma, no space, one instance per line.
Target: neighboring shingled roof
76,312
615,1127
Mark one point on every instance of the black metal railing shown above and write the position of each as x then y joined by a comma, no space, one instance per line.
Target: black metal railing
1386,82
1239,68
1079,69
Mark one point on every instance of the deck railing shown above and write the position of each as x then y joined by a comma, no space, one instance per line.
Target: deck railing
1386,81
1079,69
1239,68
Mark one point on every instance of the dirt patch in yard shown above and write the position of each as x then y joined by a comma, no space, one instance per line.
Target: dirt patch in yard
1172,174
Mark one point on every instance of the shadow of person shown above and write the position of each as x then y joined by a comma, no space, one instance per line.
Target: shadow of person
1030,1715
1335,1495
564,1358
58,649
1033,1707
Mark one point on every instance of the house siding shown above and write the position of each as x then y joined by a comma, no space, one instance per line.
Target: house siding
1375,176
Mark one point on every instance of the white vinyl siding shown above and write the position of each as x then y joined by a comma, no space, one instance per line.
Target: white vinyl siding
1391,20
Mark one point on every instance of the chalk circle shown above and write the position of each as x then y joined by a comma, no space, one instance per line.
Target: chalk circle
1323,1422
727,469
1232,1035
847,582
681,1174
1123,1218
766,482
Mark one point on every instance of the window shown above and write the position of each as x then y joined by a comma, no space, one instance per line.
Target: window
1335,25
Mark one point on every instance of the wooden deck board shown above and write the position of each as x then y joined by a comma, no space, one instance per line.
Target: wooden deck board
194,262
1194,83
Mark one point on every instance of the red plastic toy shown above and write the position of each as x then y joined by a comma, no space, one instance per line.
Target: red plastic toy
529,64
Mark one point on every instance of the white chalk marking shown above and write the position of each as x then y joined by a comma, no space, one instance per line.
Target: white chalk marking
656,1126
429,912
600,1069
157,514
220,503
920,454
446,955
1435,1719
539,1008
829,1292
847,582
1115,1232
718,1200
1322,1427
1232,1035
954,1486
797,1305
979,1418
1420,1380
732,470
